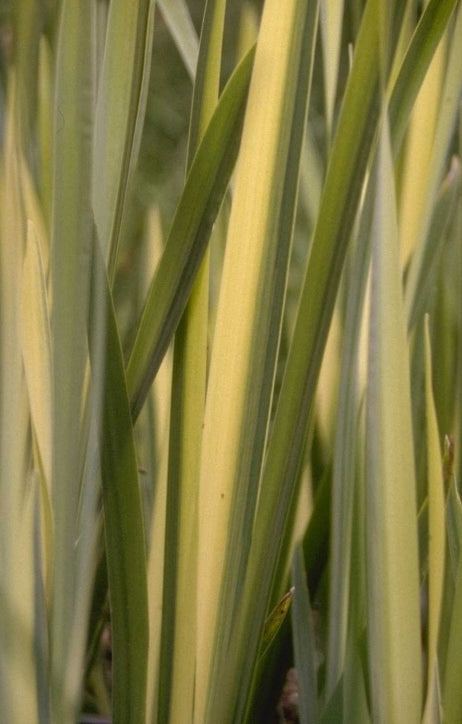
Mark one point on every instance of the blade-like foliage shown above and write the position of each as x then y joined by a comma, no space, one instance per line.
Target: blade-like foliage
197,435
392,579
196,213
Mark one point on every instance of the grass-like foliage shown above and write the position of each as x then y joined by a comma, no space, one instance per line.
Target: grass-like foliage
230,354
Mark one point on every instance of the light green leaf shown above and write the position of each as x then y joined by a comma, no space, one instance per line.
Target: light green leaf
189,234
424,264
331,30
434,211
36,347
335,218
36,352
246,341
304,643
424,42
179,625
336,214
345,476
18,682
392,578
70,254
120,108
436,522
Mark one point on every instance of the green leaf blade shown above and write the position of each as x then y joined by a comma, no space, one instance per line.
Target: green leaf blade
119,115
304,643
393,577
185,246
124,531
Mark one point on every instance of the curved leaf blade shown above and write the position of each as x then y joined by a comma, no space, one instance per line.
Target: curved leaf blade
188,237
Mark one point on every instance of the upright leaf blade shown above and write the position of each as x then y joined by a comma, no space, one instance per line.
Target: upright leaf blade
436,523
36,348
348,161
119,117
304,643
246,342
349,157
393,578
123,525
18,696
331,28
71,240
345,477
179,625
